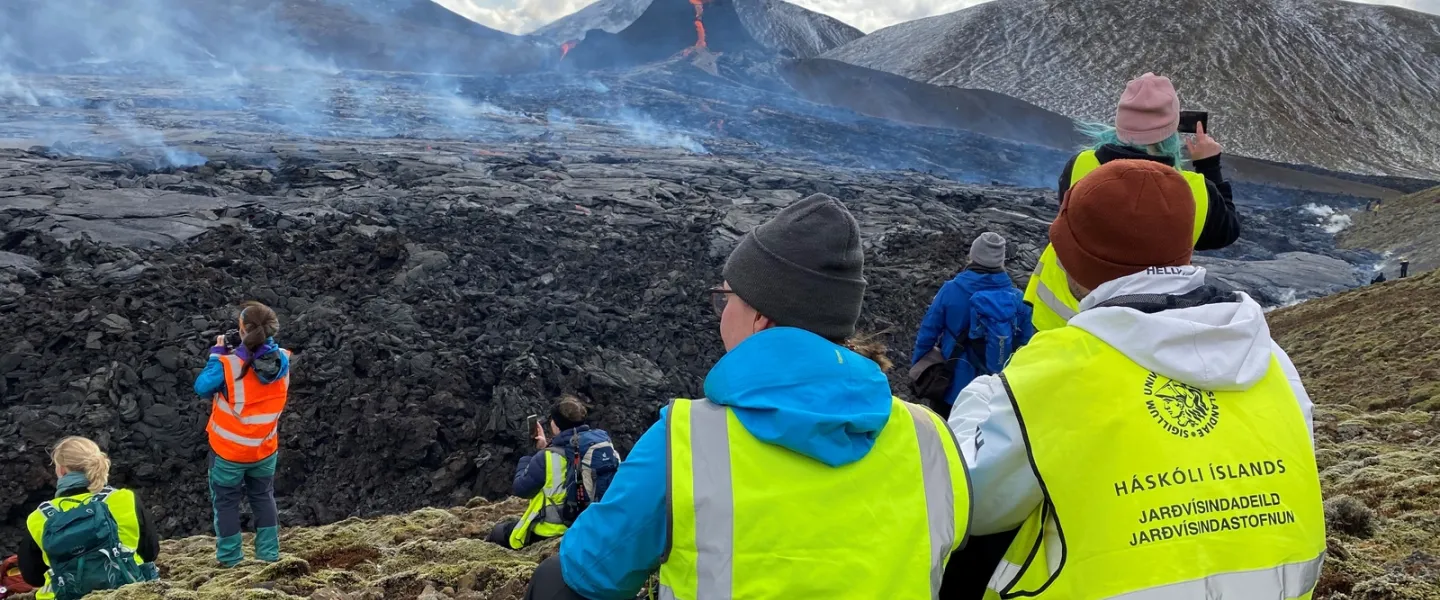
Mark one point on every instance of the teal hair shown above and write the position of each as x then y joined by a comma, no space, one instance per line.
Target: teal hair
1101,134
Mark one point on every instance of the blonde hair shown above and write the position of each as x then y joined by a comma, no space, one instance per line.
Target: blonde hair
80,455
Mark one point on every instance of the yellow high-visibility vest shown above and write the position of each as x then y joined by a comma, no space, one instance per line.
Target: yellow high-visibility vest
121,503
752,520
1048,290
1156,489
545,512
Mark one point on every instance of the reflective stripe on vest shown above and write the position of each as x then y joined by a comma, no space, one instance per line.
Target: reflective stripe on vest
749,519
1048,290
244,421
545,512
122,508
1156,489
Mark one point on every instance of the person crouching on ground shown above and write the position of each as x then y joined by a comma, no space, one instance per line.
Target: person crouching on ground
69,552
249,380
1160,445
801,476
557,497
978,319
1147,122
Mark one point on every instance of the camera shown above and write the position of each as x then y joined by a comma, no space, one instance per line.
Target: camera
232,339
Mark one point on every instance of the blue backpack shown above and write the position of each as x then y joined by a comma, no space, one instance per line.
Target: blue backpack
84,549
593,462
999,325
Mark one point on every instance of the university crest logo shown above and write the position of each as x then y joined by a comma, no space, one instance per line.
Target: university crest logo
1182,409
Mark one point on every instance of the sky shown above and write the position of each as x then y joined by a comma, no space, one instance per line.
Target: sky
523,16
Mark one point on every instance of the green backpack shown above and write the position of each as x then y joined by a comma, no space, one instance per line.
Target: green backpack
83,545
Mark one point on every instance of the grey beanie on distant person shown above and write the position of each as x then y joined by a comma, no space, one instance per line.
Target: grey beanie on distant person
988,250
803,268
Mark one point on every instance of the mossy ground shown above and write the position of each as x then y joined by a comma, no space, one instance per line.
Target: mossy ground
1406,227
432,554
1370,359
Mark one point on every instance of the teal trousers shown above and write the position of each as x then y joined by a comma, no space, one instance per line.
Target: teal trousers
232,484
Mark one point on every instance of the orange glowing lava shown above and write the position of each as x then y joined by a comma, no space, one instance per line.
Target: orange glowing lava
699,26
566,47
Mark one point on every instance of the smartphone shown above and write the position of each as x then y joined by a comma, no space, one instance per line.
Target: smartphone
1188,119
530,422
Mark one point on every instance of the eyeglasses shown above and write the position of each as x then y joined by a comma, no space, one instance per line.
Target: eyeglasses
719,297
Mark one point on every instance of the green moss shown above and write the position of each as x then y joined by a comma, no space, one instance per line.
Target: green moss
357,559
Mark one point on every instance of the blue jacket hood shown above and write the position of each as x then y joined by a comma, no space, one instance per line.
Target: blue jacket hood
974,281
797,390
270,363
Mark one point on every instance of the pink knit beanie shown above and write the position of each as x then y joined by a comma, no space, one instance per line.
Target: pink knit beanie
1149,111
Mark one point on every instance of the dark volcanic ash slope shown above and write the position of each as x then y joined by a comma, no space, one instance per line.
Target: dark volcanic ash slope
193,35
1345,86
649,30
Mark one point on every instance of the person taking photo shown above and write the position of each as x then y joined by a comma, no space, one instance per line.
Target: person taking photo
248,378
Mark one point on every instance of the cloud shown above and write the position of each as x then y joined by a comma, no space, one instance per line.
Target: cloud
514,16
524,16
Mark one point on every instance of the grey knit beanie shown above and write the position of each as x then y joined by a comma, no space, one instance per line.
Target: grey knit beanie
988,250
803,268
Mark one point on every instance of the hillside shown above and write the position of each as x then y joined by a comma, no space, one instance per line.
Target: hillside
195,36
1288,80
777,25
890,96
1375,436
1406,228
1369,362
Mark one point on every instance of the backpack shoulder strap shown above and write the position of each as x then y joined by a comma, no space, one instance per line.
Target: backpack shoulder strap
48,509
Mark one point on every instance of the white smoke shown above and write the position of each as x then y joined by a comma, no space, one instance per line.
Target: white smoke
1331,220
13,92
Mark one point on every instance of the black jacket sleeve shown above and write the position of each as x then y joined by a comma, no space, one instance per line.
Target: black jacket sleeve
1222,223
1064,184
149,548
32,562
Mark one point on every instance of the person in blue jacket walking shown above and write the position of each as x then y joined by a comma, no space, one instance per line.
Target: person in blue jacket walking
801,392
978,302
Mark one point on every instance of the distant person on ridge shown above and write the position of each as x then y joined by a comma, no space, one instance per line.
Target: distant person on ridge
248,376
561,480
977,320
69,552
1161,444
1147,123
801,476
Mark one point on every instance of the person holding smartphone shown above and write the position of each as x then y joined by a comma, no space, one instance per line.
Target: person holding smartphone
1149,126
573,468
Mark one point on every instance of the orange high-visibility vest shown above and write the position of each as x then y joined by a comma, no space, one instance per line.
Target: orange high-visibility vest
245,419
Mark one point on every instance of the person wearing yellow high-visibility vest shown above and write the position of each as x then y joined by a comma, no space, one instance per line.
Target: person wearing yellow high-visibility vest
799,475
63,538
1159,446
1146,127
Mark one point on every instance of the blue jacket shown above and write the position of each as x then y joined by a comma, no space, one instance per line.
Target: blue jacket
530,474
949,319
787,387
270,364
